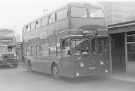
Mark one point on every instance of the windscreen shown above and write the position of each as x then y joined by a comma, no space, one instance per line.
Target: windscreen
80,46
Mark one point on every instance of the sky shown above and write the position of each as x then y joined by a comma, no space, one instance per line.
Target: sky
14,14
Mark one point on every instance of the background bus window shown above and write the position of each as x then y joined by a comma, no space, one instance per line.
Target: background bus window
62,14
96,13
78,12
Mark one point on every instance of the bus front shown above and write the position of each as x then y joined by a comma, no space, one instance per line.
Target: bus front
85,55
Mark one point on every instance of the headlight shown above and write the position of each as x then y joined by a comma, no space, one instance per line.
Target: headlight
101,63
81,64
79,58
106,71
77,74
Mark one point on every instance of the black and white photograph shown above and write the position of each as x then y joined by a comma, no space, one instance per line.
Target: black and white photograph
67,45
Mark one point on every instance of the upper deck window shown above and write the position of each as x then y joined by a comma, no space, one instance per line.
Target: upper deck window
44,21
25,28
32,25
94,12
78,12
61,14
28,27
52,18
37,23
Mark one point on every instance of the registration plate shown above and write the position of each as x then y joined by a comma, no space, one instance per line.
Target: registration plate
92,68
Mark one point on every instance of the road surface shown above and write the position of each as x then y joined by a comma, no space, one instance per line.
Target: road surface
17,79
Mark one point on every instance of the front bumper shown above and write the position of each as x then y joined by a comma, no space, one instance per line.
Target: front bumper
73,72
89,72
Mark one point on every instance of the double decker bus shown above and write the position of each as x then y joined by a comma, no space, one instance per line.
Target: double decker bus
8,48
70,42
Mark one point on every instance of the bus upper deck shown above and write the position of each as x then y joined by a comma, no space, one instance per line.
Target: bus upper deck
72,16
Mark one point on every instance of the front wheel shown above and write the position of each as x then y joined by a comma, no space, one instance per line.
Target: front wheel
55,71
15,65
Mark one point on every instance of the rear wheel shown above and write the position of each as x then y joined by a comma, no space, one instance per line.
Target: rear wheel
55,71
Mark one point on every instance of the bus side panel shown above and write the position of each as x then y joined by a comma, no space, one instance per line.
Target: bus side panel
41,64
67,67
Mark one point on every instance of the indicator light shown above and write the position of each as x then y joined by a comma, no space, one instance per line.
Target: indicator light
77,74
81,64
101,63
106,70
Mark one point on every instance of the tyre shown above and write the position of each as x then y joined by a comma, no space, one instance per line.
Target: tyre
55,71
14,65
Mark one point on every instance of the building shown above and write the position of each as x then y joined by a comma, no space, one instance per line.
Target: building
120,18
117,12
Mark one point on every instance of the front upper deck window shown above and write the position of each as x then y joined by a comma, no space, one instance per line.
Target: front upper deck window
78,12
96,12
